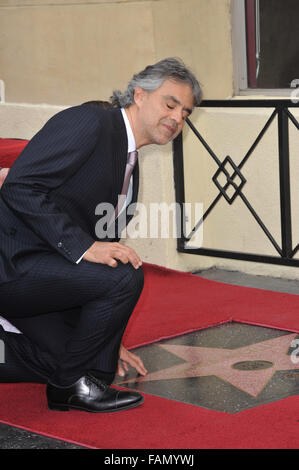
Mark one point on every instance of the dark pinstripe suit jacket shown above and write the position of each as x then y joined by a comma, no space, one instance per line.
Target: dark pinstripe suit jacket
47,203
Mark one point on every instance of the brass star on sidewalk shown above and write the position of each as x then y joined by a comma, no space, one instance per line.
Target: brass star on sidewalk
248,368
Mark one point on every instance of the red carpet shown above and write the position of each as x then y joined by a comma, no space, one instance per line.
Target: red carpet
194,303
191,304
157,424
173,303
9,150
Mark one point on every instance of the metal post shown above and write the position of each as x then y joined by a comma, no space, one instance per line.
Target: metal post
284,179
179,188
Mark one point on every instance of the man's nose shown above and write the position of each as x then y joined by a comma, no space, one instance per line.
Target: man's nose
177,116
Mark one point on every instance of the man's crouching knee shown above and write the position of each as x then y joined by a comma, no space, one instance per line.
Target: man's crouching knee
128,278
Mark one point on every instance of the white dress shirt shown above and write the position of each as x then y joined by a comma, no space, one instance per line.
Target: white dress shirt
131,148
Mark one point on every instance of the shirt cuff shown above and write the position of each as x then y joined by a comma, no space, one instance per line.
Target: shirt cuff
78,261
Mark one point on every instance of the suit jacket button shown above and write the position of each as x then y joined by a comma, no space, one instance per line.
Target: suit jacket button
59,245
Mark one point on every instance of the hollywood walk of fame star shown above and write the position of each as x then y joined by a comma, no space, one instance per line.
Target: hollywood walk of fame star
203,361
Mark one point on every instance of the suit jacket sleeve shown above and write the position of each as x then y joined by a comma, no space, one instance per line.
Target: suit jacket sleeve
55,153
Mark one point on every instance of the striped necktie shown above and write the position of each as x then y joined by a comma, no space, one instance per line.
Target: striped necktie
131,162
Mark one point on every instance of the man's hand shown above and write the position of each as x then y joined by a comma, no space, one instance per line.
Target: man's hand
128,358
109,252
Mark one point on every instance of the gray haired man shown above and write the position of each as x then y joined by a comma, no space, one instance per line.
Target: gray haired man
69,292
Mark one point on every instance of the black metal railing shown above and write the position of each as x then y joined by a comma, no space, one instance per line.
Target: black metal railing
235,181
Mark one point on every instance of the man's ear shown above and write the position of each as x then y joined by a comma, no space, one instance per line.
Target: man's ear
139,95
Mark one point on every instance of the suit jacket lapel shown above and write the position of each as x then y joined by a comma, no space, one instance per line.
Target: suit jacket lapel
119,153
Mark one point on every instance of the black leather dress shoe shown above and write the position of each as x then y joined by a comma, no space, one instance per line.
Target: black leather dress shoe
91,394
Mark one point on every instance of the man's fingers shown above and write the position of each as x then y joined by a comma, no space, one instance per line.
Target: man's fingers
109,252
140,368
136,362
120,370
127,255
112,262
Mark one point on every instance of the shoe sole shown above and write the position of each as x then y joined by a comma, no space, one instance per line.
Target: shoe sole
58,407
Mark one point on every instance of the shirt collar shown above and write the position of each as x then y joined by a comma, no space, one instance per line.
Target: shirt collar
130,135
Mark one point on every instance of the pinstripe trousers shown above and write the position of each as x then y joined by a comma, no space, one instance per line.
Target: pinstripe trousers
72,317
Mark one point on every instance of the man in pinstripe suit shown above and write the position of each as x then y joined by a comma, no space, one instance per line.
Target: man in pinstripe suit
53,267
